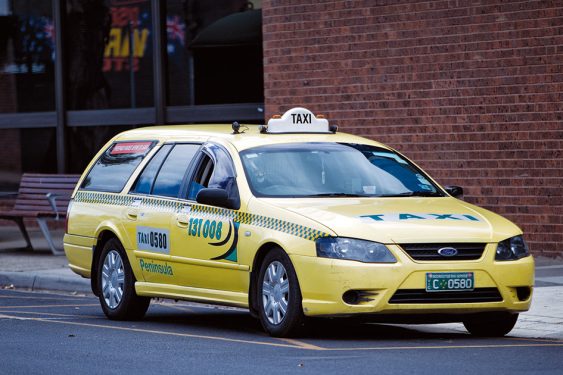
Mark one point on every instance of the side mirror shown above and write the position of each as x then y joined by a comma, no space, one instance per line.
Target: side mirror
213,197
454,191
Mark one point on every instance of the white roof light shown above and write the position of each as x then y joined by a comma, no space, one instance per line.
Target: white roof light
298,120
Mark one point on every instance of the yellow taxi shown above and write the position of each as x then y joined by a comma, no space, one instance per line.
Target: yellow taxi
291,220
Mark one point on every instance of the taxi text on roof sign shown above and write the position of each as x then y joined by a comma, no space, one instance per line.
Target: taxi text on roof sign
298,120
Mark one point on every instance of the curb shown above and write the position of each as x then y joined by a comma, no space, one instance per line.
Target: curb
39,281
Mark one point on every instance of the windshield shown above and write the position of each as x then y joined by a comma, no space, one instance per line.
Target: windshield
332,170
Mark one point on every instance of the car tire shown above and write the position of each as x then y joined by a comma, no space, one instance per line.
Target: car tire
116,284
491,324
279,296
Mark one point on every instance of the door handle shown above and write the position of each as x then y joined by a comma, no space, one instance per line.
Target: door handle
133,210
182,220
132,214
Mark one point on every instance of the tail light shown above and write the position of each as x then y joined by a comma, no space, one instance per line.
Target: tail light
67,215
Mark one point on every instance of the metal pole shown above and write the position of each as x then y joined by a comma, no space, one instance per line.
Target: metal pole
59,13
131,63
191,79
159,69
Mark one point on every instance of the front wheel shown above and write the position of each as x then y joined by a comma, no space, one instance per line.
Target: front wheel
116,284
279,296
490,324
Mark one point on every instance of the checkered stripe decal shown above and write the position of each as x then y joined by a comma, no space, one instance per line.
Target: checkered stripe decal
111,199
204,212
161,204
260,221
208,212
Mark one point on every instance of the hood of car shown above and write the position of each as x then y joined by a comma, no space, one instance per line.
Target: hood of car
404,219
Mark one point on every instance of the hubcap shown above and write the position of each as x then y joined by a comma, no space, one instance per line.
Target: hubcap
275,292
113,278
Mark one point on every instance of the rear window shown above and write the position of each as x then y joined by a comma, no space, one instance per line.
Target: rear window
113,169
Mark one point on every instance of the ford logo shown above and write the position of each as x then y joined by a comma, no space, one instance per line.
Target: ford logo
447,252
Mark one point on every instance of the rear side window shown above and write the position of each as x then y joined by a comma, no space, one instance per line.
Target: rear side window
116,165
146,179
171,175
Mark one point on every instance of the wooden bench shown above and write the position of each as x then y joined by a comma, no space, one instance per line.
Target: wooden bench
43,197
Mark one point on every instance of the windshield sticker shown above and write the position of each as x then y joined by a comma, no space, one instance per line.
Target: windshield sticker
421,179
130,148
425,187
419,216
153,239
389,155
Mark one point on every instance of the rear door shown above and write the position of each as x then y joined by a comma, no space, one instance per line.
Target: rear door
154,207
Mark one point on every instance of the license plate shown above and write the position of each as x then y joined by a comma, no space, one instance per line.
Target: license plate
447,281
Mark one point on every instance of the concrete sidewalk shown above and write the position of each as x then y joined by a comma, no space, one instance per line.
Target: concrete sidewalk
40,270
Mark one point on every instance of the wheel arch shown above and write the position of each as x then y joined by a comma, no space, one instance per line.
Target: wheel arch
258,258
104,235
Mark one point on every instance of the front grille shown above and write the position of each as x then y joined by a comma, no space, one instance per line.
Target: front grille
422,296
429,251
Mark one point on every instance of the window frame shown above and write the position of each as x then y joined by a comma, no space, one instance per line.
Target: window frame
187,173
134,184
209,149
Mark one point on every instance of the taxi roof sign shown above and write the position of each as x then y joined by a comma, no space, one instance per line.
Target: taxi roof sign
298,120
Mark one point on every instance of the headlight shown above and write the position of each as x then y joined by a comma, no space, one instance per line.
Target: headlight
512,249
352,249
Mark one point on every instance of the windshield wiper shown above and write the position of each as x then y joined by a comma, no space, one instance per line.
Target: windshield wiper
337,195
413,194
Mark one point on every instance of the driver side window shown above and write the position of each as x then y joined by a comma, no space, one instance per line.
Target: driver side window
201,177
215,172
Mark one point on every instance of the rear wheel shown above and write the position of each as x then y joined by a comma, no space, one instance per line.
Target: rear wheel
490,324
279,296
116,284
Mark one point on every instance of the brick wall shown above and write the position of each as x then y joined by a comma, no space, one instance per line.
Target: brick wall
470,90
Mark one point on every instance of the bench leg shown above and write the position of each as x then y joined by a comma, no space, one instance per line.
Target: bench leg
25,235
42,221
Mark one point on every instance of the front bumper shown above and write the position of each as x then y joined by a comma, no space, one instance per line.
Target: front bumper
324,282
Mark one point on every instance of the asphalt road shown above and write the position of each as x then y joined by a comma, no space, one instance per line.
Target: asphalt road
45,333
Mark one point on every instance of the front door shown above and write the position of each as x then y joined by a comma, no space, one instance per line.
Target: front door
205,237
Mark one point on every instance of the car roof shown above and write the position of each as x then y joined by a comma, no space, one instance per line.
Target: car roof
249,136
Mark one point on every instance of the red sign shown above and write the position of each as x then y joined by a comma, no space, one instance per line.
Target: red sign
130,148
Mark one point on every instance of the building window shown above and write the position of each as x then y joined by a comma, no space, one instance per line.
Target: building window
108,45
26,56
211,54
25,150
214,51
